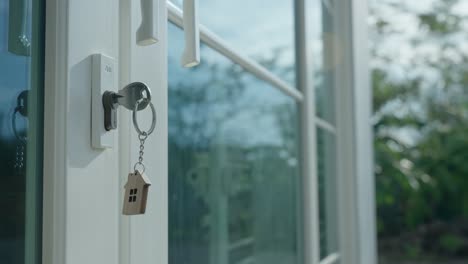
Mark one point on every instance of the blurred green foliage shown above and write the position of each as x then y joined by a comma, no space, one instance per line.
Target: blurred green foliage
421,126
451,243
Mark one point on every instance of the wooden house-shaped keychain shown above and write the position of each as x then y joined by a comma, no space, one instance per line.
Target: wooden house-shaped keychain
136,194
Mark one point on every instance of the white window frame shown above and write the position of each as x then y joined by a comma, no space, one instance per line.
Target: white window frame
132,240
358,243
56,70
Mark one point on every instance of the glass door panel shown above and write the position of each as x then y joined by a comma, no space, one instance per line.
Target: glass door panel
233,165
324,60
21,120
327,183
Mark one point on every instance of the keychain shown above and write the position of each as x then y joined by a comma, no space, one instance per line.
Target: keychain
137,186
20,154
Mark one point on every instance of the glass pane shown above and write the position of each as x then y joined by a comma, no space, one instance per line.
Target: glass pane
327,192
322,36
262,30
233,165
21,115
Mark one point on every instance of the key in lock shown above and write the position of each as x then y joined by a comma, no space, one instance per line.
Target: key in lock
128,98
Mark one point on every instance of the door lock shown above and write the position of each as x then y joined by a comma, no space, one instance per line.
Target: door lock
110,104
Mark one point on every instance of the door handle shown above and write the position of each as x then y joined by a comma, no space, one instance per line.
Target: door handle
191,54
19,42
147,33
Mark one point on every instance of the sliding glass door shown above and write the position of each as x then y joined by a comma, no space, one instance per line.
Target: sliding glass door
21,121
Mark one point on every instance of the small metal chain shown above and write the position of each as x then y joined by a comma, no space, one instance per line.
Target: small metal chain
142,138
19,159
143,135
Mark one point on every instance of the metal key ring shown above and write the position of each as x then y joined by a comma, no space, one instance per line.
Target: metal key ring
141,165
153,120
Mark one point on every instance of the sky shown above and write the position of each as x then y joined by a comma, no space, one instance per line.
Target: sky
411,49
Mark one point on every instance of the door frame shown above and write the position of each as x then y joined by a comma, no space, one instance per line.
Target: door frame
61,239
55,102
356,197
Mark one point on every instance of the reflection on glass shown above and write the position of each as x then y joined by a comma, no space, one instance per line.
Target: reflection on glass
262,30
323,61
327,192
233,165
20,131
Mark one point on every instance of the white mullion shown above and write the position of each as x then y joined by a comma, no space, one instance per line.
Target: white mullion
344,122
218,44
310,205
125,43
331,259
362,100
325,125
54,246
354,136
148,235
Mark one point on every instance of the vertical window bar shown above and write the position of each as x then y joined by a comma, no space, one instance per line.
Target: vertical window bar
310,240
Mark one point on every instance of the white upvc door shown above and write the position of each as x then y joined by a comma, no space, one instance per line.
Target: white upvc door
83,186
